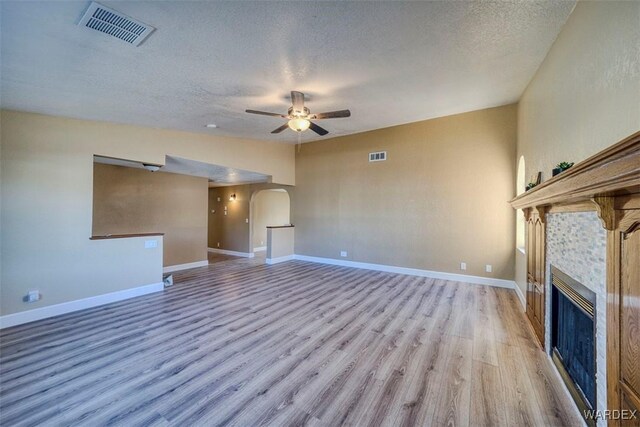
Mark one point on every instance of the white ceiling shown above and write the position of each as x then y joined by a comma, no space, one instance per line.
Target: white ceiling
218,176
389,62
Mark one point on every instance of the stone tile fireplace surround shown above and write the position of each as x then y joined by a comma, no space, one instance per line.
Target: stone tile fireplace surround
576,244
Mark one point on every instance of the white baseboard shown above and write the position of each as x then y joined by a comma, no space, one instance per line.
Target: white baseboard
501,283
178,267
260,249
71,306
226,252
272,261
521,297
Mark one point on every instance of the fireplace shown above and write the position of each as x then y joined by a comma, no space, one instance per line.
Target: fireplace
573,339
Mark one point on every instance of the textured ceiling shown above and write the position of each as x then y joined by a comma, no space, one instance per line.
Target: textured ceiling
389,62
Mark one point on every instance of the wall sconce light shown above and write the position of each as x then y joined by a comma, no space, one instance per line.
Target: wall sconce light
232,198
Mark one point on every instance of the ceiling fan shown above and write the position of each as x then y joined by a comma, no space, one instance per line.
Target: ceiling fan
299,117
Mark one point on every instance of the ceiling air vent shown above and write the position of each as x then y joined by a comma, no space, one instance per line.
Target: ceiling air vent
114,23
378,156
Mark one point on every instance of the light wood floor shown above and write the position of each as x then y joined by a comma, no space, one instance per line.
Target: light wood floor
238,343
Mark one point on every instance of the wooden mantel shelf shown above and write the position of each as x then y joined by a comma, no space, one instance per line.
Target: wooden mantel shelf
613,171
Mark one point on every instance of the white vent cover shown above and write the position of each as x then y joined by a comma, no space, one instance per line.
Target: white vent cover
378,156
114,23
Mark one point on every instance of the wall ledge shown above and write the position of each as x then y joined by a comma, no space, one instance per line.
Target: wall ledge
40,313
124,236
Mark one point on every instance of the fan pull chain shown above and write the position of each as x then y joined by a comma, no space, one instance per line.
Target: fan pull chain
299,140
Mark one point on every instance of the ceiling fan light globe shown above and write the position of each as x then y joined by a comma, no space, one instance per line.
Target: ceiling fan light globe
299,124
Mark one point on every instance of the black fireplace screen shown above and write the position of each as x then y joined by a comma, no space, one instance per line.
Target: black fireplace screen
573,337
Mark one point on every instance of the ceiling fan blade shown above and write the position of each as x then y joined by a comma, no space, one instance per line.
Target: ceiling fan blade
317,129
265,113
281,128
331,114
297,100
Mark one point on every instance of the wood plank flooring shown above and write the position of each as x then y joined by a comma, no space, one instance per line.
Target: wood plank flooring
242,343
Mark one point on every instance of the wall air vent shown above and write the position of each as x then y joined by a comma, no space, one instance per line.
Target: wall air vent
378,156
108,21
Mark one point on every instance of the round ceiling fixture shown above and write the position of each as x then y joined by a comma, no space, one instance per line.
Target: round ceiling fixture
299,124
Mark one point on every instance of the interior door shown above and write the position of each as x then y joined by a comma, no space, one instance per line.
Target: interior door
536,273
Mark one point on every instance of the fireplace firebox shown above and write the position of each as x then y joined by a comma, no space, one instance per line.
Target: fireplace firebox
573,340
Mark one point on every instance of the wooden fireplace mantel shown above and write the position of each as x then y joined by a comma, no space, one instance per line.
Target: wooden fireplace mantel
608,183
612,172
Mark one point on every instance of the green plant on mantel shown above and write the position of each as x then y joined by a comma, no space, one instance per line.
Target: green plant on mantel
530,186
564,165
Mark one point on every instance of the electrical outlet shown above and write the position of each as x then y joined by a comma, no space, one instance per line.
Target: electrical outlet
246,220
463,266
150,244
218,198
218,244
343,253
488,268
32,296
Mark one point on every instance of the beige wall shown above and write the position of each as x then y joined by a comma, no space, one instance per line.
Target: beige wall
585,95
47,185
270,207
280,242
439,199
128,200
232,231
